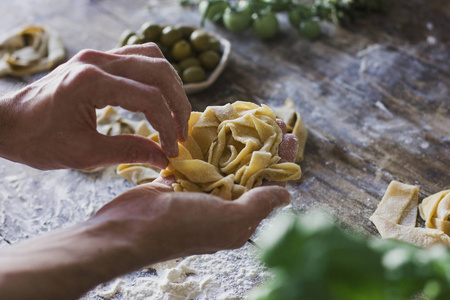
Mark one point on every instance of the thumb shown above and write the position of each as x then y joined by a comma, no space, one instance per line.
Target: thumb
130,149
261,201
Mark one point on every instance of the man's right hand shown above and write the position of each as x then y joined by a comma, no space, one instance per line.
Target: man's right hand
51,123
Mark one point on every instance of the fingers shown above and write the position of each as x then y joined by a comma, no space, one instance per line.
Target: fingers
167,181
261,201
158,72
282,125
257,204
144,64
149,49
156,186
288,148
133,96
128,149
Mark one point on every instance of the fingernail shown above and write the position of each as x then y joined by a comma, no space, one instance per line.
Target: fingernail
183,135
168,150
283,195
159,161
279,193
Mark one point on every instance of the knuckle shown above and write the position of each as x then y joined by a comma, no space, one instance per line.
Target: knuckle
153,46
163,64
83,73
87,55
155,91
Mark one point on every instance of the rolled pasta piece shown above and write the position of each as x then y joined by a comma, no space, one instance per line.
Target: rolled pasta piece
30,50
435,210
395,217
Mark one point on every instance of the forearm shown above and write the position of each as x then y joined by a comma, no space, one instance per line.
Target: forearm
64,264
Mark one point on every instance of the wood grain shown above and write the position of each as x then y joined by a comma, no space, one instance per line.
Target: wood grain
375,97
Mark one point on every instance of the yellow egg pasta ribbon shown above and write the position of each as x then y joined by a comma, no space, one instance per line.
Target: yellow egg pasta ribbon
395,217
230,149
435,210
30,50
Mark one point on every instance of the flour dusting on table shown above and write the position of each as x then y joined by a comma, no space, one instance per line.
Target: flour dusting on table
224,275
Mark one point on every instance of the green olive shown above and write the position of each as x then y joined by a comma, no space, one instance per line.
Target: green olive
200,40
237,20
181,50
193,74
215,45
125,36
151,31
166,52
186,31
163,48
169,36
209,59
310,29
265,26
189,62
134,40
299,13
295,17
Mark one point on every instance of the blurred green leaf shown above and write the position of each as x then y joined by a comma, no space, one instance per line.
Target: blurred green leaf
313,259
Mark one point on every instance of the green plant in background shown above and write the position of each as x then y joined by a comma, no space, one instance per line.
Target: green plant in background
261,15
312,258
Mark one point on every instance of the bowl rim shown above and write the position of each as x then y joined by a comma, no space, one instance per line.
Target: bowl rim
191,88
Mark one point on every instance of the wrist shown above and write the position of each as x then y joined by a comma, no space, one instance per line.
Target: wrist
5,122
63,264
10,110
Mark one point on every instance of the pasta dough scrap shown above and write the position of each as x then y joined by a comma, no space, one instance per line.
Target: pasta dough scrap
230,149
138,173
395,217
294,124
30,50
435,211
110,122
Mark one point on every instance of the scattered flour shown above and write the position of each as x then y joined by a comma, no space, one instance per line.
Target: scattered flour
225,275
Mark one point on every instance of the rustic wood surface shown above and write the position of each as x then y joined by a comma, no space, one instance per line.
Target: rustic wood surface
375,98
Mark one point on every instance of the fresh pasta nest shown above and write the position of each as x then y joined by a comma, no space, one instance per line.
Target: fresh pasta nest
230,149
29,50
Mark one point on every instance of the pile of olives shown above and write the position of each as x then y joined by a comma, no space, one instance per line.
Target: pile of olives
192,52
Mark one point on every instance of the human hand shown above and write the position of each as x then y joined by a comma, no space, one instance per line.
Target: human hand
161,224
143,226
51,123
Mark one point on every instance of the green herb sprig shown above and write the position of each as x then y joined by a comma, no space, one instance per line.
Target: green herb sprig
313,259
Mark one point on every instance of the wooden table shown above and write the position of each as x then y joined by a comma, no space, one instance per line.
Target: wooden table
374,96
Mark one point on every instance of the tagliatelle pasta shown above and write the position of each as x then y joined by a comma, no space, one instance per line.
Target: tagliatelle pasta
230,149
110,122
435,210
395,217
30,50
